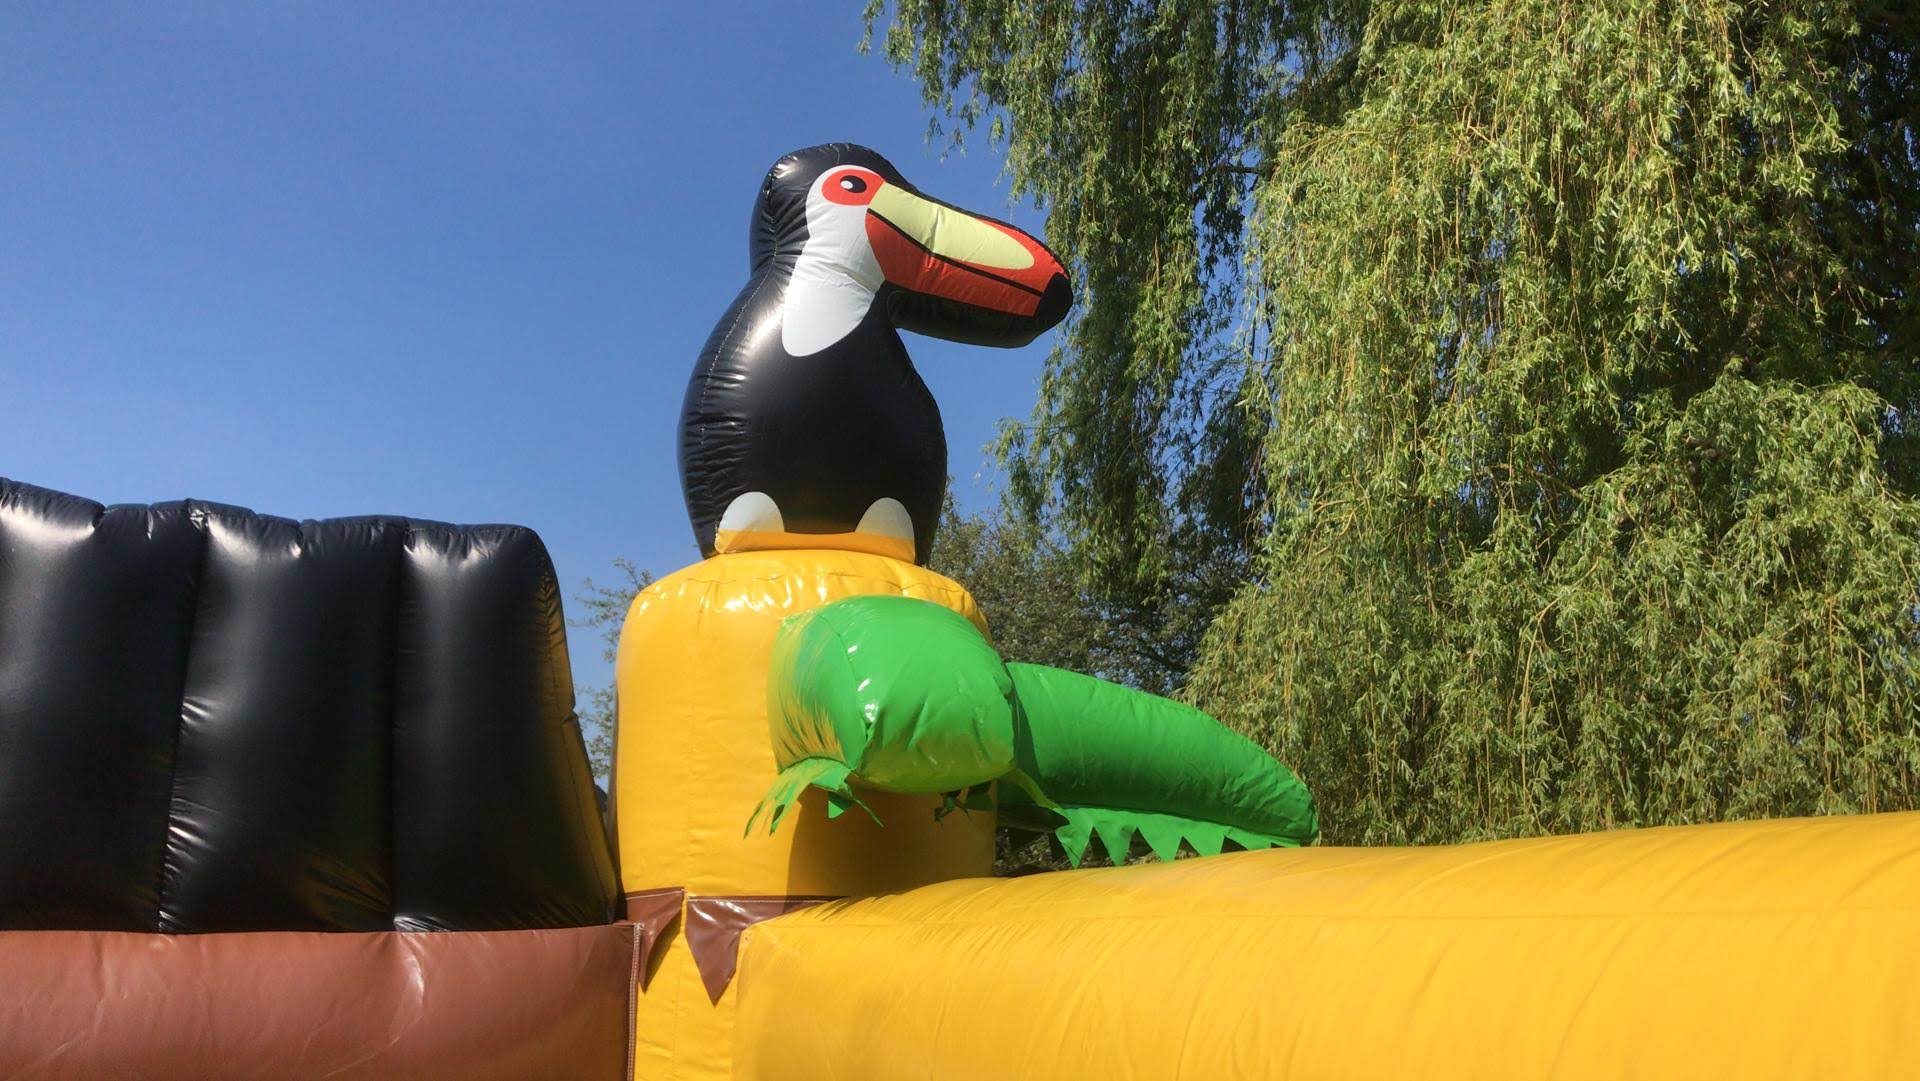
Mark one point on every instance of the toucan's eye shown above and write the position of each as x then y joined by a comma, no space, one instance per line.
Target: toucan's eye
849,187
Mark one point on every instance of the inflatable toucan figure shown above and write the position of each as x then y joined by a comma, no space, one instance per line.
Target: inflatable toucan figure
814,466
804,416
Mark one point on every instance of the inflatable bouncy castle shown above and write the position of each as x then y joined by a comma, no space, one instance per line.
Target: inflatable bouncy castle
308,799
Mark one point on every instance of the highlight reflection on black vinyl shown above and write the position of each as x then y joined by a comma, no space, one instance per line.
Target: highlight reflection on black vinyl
222,721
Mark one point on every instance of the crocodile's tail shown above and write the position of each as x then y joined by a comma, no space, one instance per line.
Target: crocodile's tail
1114,761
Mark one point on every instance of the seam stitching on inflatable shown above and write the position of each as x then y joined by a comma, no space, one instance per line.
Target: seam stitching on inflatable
707,377
1327,917
196,515
402,564
640,936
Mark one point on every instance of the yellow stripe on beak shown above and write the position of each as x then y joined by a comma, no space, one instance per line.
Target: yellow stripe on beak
948,233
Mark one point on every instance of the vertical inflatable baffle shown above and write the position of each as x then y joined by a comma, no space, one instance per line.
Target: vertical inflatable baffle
484,729
96,605
282,773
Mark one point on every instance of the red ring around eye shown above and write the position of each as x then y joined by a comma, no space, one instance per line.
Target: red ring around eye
850,186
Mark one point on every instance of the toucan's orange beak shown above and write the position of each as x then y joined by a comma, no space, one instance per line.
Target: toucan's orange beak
930,248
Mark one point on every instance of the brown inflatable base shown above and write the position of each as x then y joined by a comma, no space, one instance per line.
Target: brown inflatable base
394,1005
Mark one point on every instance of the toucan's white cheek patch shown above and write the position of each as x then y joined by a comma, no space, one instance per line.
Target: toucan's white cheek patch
887,517
753,512
834,280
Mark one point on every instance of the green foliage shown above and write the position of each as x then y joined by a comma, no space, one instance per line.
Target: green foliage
1549,367
1040,611
1025,586
1128,119
606,610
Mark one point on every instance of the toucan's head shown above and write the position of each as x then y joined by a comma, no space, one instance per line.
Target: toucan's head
857,234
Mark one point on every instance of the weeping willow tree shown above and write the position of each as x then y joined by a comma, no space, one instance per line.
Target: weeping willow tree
1528,390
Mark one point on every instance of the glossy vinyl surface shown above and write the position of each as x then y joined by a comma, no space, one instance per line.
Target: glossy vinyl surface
804,391
1112,756
695,755
1764,951
906,693
277,1005
213,720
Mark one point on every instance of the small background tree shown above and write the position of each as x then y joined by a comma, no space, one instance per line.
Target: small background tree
602,610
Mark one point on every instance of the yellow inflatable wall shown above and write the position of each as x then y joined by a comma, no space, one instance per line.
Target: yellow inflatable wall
693,758
1756,951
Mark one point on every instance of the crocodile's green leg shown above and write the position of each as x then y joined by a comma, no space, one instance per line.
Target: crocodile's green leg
885,692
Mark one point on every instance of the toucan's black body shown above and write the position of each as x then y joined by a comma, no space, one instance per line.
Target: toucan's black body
828,433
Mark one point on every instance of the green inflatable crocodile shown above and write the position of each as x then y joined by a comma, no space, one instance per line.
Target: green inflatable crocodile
903,695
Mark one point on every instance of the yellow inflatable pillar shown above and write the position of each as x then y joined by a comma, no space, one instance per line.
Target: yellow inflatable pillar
693,758
1760,951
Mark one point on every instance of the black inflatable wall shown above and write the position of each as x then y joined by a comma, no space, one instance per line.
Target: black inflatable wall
213,720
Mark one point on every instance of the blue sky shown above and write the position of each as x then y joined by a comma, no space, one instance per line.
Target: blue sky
448,261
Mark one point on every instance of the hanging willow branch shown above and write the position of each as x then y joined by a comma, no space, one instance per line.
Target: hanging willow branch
1550,384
